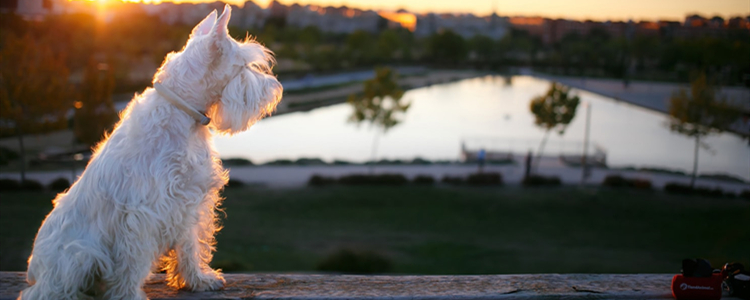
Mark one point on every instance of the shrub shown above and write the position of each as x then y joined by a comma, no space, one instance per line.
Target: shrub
539,180
420,161
745,194
32,185
485,179
236,162
684,189
385,162
677,188
9,185
641,183
424,180
453,180
319,180
349,261
615,181
310,162
234,183
356,179
380,179
280,162
619,181
723,177
663,171
7,155
59,185
715,192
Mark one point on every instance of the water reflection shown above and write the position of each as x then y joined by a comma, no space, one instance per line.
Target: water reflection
441,116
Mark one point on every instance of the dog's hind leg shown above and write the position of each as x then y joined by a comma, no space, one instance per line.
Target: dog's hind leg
62,268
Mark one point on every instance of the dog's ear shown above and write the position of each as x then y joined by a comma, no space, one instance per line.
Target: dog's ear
220,28
204,27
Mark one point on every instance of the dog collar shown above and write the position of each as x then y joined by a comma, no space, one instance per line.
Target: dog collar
181,104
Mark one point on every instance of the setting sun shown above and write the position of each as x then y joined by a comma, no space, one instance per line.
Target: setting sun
585,9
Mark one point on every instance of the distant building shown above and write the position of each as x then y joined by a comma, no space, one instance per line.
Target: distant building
535,26
716,22
35,9
347,20
695,21
249,16
334,19
466,25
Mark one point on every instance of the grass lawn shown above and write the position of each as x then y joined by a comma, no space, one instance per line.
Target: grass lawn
450,230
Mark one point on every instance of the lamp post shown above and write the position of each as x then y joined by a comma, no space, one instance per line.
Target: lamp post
584,159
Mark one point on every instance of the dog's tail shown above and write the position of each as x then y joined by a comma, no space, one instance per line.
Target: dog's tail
71,273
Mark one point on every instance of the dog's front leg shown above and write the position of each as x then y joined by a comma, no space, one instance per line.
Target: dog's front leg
193,252
132,256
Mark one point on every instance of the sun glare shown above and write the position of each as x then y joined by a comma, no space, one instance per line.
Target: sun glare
407,20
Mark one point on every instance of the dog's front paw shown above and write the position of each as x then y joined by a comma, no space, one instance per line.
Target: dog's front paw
206,282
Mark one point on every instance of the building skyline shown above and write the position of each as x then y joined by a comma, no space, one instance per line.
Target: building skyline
656,11
596,10
344,19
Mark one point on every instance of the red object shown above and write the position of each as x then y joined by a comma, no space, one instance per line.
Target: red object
708,288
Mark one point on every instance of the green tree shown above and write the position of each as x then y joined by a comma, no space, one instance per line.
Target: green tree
34,90
380,104
700,113
447,47
553,111
484,48
388,44
95,113
310,37
361,48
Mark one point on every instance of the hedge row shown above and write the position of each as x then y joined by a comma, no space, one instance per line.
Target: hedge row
12,185
539,180
685,189
619,181
478,179
359,179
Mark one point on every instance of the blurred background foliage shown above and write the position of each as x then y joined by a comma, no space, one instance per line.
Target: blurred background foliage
136,40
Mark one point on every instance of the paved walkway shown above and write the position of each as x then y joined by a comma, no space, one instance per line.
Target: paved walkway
297,176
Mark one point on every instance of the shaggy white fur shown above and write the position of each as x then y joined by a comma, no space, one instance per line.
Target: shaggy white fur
149,196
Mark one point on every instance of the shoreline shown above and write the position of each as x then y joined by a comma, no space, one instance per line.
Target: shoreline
651,95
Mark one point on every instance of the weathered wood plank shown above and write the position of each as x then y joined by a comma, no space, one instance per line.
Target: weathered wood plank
305,286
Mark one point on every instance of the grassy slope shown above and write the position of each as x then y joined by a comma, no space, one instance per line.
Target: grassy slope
436,230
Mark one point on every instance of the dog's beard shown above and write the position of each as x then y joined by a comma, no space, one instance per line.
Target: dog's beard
247,98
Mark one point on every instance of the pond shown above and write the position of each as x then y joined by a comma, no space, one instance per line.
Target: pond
491,113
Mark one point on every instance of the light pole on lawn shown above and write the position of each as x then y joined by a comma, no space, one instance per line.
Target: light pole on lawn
584,159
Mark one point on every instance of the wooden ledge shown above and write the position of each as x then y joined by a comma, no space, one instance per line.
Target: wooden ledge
304,286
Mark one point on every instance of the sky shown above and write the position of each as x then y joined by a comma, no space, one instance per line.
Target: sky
616,10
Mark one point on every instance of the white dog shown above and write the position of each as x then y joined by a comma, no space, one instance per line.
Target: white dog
150,194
